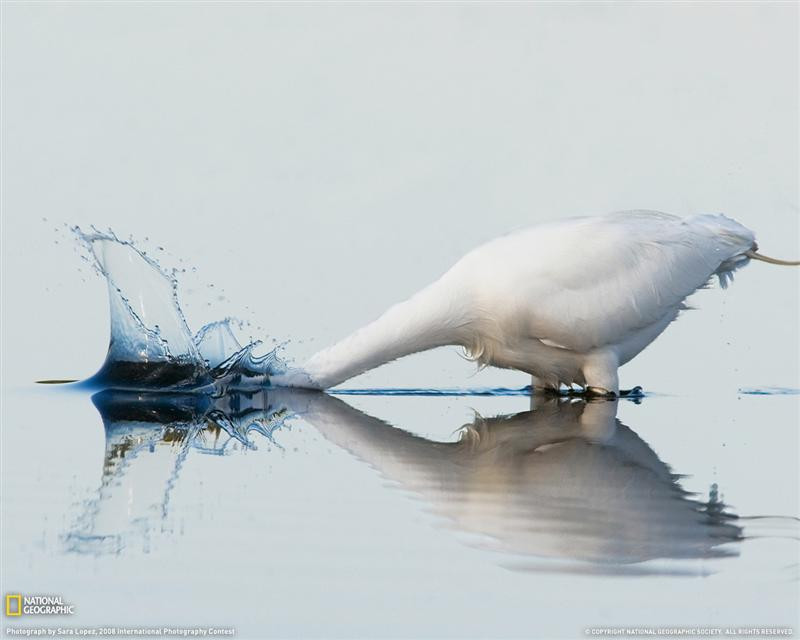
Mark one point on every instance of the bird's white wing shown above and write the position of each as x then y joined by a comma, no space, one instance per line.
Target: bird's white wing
589,282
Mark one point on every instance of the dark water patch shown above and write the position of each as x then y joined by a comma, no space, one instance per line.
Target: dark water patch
160,374
158,408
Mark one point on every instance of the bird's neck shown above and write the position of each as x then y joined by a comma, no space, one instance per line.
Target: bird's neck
431,318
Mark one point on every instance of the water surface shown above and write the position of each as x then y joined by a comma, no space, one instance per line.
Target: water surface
177,487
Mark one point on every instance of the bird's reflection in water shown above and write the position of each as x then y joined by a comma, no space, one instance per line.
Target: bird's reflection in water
563,481
564,486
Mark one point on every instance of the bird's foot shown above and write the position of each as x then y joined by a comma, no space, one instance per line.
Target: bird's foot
563,392
586,393
589,393
599,393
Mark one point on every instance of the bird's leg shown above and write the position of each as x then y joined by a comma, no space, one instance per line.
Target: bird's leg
600,373
539,386
597,421
535,390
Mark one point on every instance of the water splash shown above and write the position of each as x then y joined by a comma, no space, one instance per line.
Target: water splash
216,342
151,344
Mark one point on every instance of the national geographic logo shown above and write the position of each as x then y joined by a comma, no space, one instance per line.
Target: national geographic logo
18,605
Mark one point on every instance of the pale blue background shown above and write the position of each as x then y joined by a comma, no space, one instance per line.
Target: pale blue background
318,163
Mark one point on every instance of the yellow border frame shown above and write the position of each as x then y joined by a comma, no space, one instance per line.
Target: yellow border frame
9,598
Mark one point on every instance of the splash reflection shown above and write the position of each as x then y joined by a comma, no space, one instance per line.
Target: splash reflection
148,438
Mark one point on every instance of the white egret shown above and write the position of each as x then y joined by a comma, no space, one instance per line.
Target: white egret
567,302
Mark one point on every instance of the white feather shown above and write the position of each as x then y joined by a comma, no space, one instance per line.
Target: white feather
568,301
